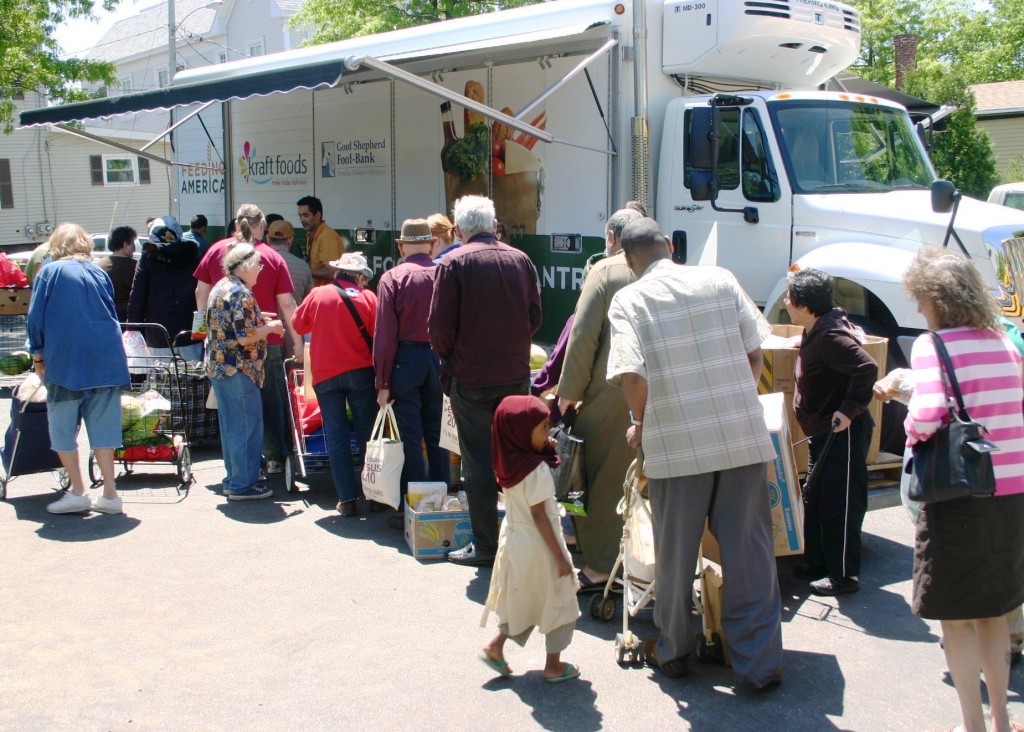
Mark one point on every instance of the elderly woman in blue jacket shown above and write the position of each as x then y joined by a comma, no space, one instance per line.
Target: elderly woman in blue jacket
75,341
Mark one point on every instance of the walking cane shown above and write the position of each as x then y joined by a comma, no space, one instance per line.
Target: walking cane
815,474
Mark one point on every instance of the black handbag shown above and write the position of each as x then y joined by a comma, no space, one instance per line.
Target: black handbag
956,462
570,476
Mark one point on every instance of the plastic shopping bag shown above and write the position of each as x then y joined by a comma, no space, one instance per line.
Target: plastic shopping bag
136,350
385,457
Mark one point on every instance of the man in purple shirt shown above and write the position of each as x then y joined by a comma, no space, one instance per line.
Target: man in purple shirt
407,371
483,314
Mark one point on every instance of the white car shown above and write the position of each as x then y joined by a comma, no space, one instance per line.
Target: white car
1008,194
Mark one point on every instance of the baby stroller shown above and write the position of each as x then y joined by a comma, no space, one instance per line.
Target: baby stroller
26,448
636,560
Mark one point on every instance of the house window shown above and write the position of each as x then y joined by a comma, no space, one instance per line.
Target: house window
256,49
18,95
161,78
126,85
114,170
144,178
6,187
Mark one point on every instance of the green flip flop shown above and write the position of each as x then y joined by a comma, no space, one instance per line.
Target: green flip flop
571,672
499,667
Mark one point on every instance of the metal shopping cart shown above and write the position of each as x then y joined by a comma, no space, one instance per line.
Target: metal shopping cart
154,411
309,454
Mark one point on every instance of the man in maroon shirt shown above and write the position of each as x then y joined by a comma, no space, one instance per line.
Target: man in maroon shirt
483,314
273,293
408,372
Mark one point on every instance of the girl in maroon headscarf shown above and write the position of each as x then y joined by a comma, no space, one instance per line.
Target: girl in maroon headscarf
533,585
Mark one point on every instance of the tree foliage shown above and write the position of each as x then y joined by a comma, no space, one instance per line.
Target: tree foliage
335,20
30,58
959,44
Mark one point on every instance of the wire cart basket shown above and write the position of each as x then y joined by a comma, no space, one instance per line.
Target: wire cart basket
155,410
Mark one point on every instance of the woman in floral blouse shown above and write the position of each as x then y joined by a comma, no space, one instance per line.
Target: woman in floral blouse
236,347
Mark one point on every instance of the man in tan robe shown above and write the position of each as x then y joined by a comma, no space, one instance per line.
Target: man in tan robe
603,413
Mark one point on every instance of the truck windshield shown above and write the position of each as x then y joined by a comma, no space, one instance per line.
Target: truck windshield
844,147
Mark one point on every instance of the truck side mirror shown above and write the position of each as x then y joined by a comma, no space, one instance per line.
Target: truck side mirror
700,185
944,195
699,155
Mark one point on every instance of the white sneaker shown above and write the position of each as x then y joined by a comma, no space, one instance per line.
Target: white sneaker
107,505
70,503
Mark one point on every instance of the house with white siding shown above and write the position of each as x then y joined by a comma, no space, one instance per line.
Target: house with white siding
1000,112
48,175
205,33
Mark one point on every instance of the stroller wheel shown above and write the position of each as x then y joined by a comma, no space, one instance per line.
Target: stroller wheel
94,470
717,648
608,608
703,652
63,479
595,607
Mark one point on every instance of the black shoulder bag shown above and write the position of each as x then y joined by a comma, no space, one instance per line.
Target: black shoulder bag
355,316
571,489
956,462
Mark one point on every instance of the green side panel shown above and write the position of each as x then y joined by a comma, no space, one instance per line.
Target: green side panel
560,273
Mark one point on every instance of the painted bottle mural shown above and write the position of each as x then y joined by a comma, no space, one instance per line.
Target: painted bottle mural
494,152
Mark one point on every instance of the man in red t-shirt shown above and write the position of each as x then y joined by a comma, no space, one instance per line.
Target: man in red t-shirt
273,293
341,318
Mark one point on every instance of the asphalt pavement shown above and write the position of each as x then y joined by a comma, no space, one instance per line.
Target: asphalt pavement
190,612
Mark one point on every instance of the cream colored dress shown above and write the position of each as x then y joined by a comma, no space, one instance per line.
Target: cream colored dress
526,591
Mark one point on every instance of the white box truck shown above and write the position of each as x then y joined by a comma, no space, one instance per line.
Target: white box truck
562,111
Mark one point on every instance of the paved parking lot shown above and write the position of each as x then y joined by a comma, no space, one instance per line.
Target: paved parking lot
189,612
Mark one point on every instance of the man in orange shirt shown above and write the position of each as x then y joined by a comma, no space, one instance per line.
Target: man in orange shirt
323,244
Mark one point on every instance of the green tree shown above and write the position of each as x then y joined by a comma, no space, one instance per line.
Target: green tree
962,151
30,58
335,20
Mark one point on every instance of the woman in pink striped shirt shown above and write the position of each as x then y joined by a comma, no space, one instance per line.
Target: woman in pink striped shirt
969,554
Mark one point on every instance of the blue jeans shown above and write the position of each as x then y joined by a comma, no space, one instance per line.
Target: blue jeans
356,389
241,429
272,397
474,408
416,391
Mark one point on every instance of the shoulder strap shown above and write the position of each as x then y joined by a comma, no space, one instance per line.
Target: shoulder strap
355,316
946,364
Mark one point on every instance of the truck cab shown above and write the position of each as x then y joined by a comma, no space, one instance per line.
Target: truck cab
835,181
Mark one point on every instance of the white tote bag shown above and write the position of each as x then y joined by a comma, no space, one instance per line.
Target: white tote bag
449,432
385,456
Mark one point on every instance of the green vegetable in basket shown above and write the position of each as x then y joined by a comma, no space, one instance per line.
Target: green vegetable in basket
17,363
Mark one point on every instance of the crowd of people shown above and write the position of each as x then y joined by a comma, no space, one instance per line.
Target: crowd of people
457,317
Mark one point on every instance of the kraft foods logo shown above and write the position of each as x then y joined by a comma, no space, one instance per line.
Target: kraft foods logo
261,170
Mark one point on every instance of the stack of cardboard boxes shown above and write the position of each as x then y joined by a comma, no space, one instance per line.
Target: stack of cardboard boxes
779,375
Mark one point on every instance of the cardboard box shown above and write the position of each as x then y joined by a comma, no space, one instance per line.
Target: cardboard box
784,495
779,375
431,535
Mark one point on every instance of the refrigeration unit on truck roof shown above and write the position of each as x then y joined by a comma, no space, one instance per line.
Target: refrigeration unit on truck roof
771,43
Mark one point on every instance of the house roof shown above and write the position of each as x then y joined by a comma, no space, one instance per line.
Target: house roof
147,31
1002,97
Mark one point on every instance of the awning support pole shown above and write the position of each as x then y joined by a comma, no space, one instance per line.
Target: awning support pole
175,126
104,141
565,79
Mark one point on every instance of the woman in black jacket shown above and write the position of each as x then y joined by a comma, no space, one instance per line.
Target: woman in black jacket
164,290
